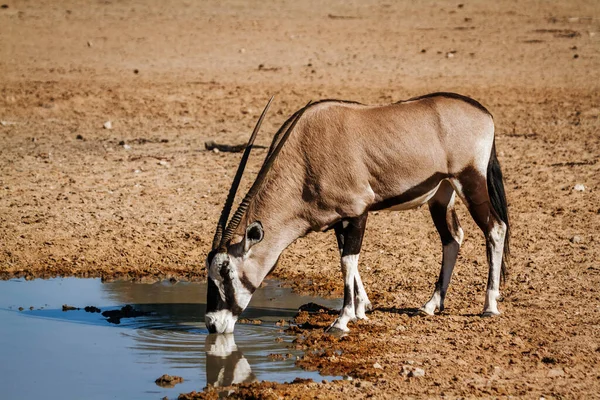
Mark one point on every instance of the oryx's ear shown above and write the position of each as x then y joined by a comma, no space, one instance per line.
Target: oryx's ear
254,234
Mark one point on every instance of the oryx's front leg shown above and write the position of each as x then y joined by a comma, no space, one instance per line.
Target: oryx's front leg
349,234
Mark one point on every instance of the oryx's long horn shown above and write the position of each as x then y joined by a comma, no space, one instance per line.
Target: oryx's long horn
236,180
237,217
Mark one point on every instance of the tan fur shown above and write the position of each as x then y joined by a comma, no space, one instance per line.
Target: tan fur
343,158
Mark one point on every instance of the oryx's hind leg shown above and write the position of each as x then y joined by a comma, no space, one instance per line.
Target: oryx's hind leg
471,185
349,234
441,207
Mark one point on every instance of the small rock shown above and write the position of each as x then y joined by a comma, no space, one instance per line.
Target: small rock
417,372
377,366
163,163
136,71
4,123
21,308
555,372
107,125
579,187
215,150
79,137
168,380
126,146
576,239
242,50
363,384
90,44
4,6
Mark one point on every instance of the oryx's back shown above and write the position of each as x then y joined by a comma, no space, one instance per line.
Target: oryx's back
359,157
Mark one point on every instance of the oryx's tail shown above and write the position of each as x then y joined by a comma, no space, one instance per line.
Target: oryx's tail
495,186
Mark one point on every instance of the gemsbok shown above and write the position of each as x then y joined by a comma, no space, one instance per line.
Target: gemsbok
334,161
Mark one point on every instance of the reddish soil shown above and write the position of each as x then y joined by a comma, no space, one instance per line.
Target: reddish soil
141,200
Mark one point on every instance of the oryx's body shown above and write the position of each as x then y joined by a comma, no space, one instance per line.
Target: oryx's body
344,159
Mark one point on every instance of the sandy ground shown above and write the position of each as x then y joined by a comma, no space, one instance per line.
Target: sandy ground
141,200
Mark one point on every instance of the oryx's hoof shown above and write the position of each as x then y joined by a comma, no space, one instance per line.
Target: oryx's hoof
337,328
489,314
422,312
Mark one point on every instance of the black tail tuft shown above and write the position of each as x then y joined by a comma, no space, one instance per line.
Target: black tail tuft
495,185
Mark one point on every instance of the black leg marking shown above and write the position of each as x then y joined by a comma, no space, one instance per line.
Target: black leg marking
441,207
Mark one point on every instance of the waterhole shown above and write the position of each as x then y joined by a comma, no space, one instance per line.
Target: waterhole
133,333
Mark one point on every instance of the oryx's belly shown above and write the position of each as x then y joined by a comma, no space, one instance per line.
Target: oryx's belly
412,197
416,202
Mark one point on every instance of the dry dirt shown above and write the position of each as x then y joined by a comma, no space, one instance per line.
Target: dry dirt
141,200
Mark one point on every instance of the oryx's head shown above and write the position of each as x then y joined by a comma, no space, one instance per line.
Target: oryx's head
232,272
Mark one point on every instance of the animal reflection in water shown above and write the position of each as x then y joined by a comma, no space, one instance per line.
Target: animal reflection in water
225,363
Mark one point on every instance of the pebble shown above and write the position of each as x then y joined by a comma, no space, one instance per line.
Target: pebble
417,372
576,239
126,146
377,366
553,373
215,150
579,187
107,125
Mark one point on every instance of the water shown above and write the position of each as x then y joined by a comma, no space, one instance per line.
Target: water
54,354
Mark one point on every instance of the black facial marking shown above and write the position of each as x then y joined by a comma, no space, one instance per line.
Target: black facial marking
210,256
213,299
214,302
247,284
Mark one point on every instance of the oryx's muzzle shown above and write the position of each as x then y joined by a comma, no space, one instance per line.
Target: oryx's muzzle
222,321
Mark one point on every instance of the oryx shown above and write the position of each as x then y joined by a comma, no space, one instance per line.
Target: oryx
334,161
